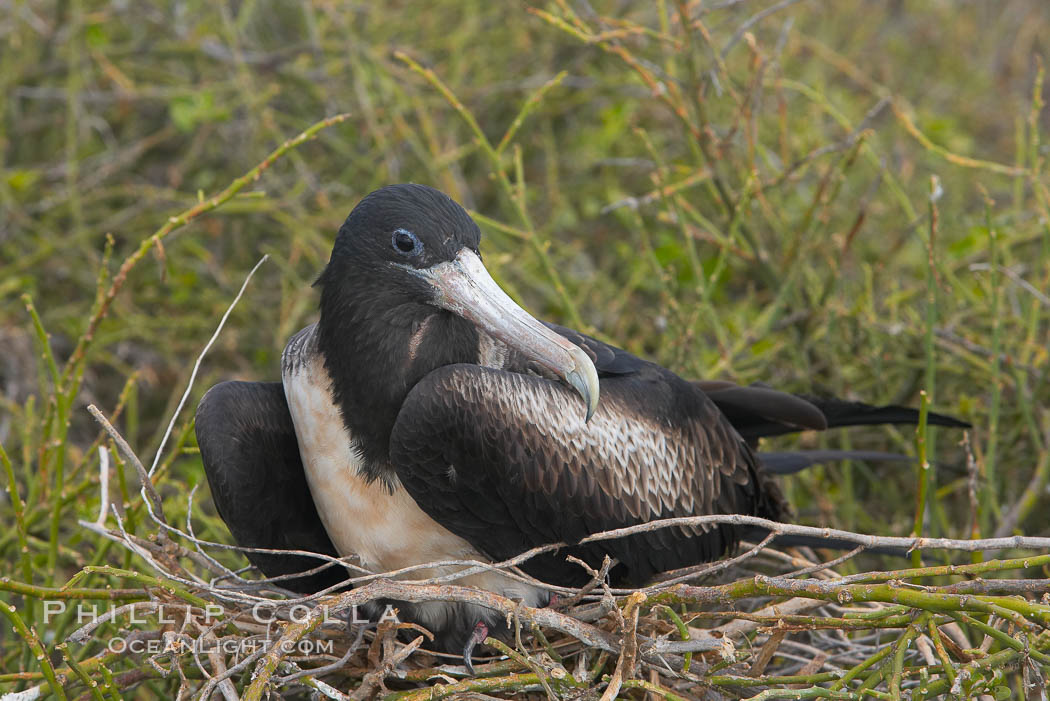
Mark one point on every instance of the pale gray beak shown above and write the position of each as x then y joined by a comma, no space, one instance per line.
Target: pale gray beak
464,287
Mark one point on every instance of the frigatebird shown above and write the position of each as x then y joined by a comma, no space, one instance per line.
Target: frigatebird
427,417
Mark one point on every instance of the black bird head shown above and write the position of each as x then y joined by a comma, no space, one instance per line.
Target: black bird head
392,231
404,293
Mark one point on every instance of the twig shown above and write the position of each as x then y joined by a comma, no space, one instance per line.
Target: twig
197,364
218,663
80,635
751,21
708,569
215,565
625,663
896,592
129,455
33,642
412,592
209,687
103,481
332,667
597,577
819,567
868,541
374,679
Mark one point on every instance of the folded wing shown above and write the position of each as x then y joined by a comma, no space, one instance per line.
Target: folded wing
251,458
505,461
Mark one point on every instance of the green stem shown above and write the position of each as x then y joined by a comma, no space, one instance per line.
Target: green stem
931,328
513,682
72,593
924,474
91,684
36,647
989,504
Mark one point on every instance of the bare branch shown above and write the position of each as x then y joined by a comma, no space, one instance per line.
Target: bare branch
129,455
197,364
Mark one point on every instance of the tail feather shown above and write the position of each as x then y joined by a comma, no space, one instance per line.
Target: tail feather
840,412
758,411
790,462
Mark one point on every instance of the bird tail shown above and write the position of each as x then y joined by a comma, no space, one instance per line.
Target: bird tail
758,411
789,462
840,412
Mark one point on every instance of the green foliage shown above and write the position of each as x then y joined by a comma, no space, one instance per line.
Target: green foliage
188,112
744,195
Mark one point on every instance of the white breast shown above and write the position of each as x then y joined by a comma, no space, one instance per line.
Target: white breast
387,530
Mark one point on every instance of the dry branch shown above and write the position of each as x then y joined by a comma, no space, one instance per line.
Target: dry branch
635,642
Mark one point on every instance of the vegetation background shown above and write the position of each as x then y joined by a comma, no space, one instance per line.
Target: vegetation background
846,199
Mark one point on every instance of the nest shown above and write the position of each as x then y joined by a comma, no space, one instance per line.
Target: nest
781,625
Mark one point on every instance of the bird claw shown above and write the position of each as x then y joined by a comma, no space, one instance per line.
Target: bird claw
481,631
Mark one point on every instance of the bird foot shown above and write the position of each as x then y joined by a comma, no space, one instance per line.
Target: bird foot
481,631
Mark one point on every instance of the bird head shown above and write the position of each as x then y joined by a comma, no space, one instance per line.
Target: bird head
411,245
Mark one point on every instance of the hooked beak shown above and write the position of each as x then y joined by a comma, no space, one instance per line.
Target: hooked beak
464,287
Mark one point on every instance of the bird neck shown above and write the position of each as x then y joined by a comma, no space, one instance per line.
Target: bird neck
375,354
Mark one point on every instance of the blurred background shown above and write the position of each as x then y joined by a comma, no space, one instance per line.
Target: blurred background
844,199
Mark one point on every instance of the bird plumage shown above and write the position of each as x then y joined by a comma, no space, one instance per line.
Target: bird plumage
427,417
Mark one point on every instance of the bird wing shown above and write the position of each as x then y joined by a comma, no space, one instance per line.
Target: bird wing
506,461
757,410
608,360
250,455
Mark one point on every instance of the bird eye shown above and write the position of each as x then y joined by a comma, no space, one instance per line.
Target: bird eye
406,242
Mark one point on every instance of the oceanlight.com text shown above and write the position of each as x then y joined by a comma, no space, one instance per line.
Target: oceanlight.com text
183,644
